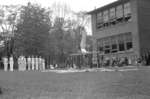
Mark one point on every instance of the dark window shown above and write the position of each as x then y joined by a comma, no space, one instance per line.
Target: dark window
107,46
121,47
114,46
129,45
107,51
114,51
100,49
99,20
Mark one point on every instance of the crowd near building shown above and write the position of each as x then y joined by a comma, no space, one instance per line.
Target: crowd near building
121,32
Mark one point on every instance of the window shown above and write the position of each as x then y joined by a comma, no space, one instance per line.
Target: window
127,11
105,16
121,47
121,41
119,13
100,46
112,14
107,46
107,51
128,39
129,45
100,49
114,47
99,20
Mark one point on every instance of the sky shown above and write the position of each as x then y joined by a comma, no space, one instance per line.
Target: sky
75,5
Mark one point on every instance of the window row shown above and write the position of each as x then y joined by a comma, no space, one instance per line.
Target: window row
115,44
113,15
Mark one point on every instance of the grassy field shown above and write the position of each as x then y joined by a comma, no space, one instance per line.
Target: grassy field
87,85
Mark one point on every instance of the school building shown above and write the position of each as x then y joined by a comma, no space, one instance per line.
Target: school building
121,29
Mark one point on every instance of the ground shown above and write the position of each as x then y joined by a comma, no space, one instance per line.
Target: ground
88,85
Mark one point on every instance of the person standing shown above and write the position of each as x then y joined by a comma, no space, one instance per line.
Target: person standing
5,61
32,59
29,63
40,63
19,63
36,63
24,63
43,64
11,62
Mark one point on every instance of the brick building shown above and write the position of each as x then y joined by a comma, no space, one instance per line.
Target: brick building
122,30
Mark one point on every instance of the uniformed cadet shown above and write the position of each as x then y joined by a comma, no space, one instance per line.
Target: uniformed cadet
43,64
36,63
11,62
33,63
19,63
24,63
29,63
40,63
5,62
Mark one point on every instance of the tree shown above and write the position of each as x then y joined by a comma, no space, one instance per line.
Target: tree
32,30
8,21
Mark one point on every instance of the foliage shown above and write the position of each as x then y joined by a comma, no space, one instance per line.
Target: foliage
38,32
8,21
32,30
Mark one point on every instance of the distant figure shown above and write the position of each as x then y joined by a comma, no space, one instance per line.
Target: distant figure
29,63
5,61
51,66
11,62
129,61
22,63
126,61
139,61
40,63
36,63
19,63
43,64
33,62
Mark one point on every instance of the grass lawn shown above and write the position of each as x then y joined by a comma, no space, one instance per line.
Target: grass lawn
87,85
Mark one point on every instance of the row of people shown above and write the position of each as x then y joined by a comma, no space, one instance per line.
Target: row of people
8,61
29,63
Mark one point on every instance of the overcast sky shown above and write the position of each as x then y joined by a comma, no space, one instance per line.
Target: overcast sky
76,5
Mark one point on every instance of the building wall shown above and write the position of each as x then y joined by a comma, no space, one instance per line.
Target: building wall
144,25
120,28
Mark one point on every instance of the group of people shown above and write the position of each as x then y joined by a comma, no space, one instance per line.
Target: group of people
144,60
24,63
114,61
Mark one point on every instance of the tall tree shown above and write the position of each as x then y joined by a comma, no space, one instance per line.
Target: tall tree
8,21
32,30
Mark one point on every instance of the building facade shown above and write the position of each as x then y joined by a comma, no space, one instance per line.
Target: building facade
121,30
